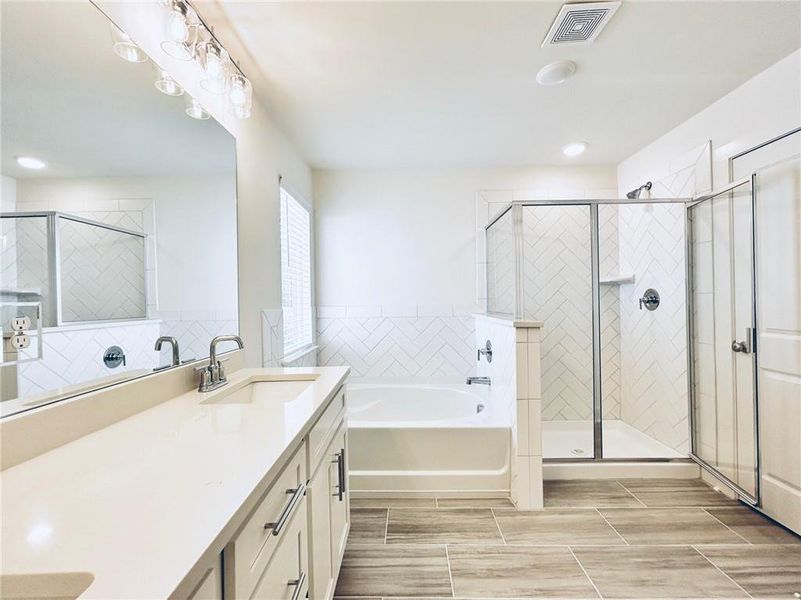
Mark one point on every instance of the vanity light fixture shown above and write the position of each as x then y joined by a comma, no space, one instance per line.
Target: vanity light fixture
240,95
194,109
574,149
29,162
167,85
214,61
124,47
181,30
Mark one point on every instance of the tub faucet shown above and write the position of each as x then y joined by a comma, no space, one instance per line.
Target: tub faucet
479,381
212,376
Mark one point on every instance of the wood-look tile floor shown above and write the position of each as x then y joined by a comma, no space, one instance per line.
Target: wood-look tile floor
638,539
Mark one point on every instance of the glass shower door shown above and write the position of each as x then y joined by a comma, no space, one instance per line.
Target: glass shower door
557,288
722,325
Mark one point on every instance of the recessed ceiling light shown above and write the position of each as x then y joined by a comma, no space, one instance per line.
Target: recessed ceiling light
556,72
574,149
29,162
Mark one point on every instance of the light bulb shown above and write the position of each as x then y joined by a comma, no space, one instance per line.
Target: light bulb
29,162
574,149
194,109
238,97
124,47
178,28
167,85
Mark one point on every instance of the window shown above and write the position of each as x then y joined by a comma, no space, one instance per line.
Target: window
296,292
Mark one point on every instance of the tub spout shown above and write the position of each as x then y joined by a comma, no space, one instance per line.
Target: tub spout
479,381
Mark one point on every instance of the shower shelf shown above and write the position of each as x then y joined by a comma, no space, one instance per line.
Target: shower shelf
616,279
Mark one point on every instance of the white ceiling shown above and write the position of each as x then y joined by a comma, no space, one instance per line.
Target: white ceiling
70,101
434,84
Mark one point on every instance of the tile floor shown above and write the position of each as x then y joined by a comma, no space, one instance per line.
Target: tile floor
638,539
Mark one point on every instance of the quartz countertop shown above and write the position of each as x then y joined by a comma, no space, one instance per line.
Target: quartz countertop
138,503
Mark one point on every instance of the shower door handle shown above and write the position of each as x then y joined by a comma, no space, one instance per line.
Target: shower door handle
745,345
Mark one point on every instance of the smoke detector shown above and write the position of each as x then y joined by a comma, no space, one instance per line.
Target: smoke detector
579,23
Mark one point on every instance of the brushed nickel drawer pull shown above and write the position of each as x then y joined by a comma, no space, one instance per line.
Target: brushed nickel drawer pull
298,583
297,494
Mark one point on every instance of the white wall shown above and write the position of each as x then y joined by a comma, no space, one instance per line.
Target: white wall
408,236
263,153
398,262
8,193
763,107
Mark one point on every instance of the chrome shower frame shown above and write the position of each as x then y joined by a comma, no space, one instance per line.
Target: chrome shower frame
52,313
597,399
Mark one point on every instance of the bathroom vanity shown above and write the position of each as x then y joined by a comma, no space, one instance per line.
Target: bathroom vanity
236,493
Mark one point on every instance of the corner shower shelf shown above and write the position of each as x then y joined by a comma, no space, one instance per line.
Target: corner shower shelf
616,279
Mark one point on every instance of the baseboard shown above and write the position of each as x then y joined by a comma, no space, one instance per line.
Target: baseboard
429,494
620,470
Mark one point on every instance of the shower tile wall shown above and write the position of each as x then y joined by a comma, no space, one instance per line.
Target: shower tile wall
558,291
102,273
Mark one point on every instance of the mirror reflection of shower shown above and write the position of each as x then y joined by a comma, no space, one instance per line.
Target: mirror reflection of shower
635,193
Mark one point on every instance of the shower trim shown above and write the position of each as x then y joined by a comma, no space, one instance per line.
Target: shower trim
597,394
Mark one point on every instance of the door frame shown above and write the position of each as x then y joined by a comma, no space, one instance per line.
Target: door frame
745,496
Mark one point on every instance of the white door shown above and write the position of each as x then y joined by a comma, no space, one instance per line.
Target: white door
778,262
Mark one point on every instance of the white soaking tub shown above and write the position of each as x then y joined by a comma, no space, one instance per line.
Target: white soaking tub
426,438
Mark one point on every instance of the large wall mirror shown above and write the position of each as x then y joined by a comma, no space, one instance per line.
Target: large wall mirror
118,210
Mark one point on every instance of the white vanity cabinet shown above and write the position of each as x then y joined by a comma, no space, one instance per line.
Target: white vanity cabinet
329,514
292,543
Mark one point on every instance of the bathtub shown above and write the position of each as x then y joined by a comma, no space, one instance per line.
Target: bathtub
426,439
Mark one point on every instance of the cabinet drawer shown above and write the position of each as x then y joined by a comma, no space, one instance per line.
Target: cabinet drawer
285,576
254,545
324,428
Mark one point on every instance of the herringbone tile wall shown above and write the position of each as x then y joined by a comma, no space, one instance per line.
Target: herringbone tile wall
557,289
74,354
102,273
422,347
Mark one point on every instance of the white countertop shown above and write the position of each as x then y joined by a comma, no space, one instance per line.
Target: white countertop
138,503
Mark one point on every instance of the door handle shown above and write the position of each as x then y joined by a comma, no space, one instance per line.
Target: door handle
739,347
747,344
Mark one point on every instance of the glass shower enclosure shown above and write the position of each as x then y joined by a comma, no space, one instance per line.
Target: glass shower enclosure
80,270
614,363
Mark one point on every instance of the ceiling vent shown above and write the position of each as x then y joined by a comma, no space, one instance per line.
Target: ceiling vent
580,23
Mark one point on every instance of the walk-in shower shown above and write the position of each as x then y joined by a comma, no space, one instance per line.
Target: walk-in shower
82,270
607,279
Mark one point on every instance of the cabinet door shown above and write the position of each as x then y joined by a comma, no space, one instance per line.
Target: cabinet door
322,577
339,498
285,577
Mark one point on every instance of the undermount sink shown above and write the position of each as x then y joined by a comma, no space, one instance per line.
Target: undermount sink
47,586
274,391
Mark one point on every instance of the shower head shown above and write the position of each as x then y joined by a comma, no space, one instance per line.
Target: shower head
634,194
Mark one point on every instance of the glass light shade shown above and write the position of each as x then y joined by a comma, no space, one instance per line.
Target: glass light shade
215,63
167,85
240,95
124,47
239,91
181,29
194,109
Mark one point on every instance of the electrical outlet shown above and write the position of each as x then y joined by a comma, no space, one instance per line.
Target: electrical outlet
20,341
20,323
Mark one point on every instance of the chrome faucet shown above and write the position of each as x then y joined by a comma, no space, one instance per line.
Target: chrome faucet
212,376
176,355
479,381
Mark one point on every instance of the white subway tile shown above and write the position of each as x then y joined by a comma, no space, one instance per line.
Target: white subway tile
521,370
534,383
